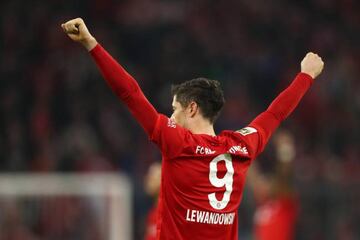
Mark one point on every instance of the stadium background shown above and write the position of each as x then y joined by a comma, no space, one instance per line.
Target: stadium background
58,115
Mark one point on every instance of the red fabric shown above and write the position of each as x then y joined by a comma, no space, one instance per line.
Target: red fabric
150,231
202,176
283,105
126,88
186,181
276,219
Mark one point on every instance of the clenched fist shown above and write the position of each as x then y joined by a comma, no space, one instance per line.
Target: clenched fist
312,64
78,32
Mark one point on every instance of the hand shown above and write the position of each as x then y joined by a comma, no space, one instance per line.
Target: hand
78,32
312,64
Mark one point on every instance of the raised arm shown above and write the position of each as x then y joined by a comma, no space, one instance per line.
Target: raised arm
121,82
279,183
283,105
285,151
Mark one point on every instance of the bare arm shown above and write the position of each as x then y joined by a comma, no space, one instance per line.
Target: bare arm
279,183
285,154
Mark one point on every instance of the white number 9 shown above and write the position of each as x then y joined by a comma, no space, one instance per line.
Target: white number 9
226,181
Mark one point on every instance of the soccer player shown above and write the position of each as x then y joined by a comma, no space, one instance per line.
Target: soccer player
277,204
203,173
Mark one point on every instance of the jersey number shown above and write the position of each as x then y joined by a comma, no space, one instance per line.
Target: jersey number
226,181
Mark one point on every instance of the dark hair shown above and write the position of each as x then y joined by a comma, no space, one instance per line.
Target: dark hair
205,92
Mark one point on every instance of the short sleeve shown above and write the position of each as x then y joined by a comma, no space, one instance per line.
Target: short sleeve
169,136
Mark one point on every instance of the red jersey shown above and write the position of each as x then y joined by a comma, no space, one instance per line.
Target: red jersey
203,180
151,220
202,176
276,219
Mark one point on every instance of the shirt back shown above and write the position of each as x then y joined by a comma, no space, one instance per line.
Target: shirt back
202,181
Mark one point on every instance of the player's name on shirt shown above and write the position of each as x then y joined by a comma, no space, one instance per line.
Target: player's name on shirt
209,217
234,149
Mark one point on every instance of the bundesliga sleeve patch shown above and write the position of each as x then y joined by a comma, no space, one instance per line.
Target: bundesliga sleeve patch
247,130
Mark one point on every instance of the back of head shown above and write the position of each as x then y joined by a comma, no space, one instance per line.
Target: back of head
207,94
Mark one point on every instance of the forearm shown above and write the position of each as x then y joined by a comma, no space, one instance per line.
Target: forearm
89,43
287,100
283,105
126,88
121,82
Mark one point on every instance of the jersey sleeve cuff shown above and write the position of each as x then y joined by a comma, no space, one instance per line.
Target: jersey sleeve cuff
96,50
306,77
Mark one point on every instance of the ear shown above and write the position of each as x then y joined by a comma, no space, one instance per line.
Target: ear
192,109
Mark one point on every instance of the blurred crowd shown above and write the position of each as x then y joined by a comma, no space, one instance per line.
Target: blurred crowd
58,115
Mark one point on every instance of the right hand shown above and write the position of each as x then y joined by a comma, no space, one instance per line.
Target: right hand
78,32
312,64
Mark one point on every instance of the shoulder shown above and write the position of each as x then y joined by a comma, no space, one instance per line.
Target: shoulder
167,124
245,137
247,131
244,133
169,136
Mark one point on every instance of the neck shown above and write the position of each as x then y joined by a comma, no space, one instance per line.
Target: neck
202,127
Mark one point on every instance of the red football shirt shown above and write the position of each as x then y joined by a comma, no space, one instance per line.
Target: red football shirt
151,220
202,181
202,176
276,219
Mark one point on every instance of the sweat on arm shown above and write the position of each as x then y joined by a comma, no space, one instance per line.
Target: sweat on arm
126,89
